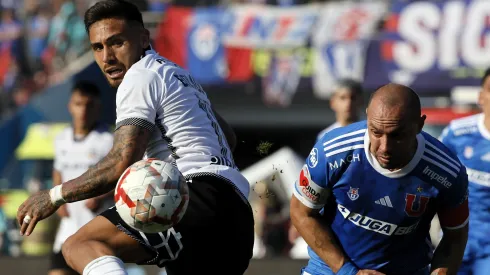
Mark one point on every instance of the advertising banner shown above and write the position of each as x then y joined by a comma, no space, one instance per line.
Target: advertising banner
432,46
259,26
340,42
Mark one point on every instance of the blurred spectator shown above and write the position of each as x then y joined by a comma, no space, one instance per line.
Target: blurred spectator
36,29
67,37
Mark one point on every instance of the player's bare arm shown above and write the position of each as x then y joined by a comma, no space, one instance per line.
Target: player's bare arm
449,254
129,146
316,234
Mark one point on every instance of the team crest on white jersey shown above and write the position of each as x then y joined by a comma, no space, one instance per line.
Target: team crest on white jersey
353,193
468,152
313,158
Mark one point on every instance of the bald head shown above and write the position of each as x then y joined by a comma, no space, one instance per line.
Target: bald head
396,97
394,120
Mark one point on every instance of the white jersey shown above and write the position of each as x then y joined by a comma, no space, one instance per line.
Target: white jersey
158,95
72,158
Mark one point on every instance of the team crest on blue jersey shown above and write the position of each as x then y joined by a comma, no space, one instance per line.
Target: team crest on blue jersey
353,193
468,152
313,158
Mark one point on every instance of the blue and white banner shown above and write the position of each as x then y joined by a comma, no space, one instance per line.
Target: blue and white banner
340,42
432,45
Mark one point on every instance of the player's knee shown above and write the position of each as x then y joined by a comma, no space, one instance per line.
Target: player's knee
69,248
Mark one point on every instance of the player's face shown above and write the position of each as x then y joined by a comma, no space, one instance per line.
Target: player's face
393,137
346,104
117,45
484,97
84,110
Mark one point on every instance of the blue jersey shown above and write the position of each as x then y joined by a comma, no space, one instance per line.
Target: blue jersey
381,218
470,141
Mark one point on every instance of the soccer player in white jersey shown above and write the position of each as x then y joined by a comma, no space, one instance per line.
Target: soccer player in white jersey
77,148
469,139
346,102
161,113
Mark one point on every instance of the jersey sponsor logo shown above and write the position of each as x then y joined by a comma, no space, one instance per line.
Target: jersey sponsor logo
415,205
478,177
435,176
221,161
375,225
350,158
313,158
384,201
309,189
353,193
464,131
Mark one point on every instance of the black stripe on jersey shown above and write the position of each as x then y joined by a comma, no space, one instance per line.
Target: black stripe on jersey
173,149
136,122
205,107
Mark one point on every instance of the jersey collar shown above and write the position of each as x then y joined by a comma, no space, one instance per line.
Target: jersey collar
481,127
398,173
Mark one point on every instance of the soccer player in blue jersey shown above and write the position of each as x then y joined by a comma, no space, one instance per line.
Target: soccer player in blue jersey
469,139
368,192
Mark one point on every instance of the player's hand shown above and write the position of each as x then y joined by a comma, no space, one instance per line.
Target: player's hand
92,204
369,272
37,207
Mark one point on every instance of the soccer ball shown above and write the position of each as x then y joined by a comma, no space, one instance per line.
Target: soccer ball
151,196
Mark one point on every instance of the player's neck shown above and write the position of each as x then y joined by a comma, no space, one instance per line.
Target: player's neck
81,132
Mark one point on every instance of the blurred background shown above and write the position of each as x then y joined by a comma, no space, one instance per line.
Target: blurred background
269,67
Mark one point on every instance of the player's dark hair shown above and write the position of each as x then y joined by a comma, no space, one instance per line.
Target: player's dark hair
485,75
353,85
112,9
86,88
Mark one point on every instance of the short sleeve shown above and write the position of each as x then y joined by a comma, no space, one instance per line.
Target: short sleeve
453,206
138,98
311,186
446,137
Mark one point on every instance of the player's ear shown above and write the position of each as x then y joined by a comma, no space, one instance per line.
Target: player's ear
480,98
421,123
145,38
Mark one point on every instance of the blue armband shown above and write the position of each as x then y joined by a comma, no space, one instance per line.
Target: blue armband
348,269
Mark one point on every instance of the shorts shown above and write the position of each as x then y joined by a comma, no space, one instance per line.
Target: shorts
58,262
215,236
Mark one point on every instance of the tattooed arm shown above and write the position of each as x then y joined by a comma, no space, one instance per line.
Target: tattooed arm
130,143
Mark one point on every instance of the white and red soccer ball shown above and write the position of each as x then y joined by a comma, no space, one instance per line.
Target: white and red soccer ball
151,196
